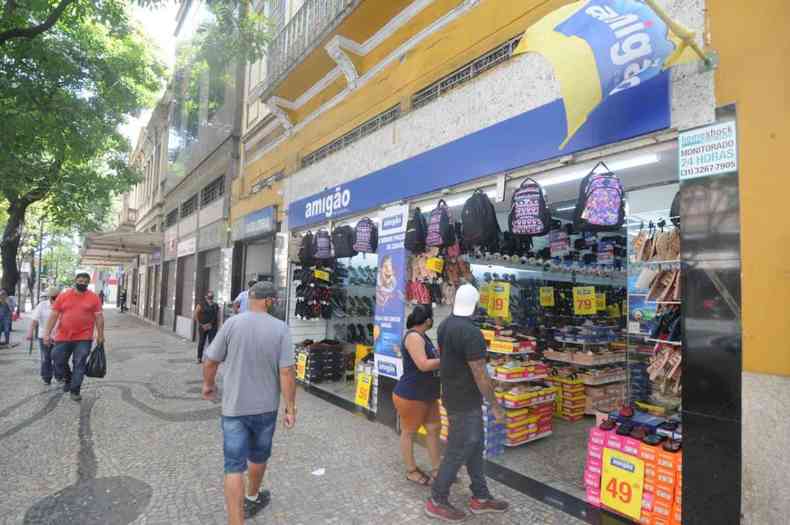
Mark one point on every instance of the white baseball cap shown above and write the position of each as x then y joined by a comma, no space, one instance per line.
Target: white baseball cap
466,301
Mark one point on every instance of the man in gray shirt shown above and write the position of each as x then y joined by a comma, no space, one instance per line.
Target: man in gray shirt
258,366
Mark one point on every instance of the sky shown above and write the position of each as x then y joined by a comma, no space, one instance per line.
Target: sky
158,24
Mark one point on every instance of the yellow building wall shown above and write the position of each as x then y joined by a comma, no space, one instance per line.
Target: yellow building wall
754,47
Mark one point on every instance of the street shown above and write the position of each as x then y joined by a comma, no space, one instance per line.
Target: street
143,447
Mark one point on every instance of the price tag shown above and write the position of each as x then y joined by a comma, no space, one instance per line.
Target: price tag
547,296
321,274
600,301
501,346
488,335
364,381
499,300
435,264
301,365
622,483
584,300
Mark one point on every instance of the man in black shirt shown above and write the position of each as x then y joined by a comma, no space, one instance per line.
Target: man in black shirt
465,383
207,316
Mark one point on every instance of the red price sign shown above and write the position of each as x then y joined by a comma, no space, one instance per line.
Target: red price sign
584,301
622,483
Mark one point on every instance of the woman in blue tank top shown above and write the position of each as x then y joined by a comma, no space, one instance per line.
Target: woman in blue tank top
416,396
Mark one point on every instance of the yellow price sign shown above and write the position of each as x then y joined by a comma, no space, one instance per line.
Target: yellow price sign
600,301
485,293
499,300
435,264
321,274
301,365
364,382
547,296
622,483
584,301
502,346
488,335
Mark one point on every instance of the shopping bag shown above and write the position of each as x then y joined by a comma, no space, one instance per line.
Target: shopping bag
97,362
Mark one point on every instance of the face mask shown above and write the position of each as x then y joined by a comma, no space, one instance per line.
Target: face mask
81,287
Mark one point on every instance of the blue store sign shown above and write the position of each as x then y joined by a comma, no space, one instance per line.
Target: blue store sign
531,137
257,223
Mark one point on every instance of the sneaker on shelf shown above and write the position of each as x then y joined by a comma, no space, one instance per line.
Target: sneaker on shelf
485,506
251,508
443,512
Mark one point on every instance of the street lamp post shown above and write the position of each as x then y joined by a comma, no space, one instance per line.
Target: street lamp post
40,248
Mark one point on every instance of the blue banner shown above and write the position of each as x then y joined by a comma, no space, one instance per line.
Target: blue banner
390,306
531,137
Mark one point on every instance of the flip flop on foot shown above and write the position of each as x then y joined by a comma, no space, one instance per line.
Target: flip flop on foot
419,477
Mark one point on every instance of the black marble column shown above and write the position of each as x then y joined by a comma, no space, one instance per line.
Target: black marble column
711,290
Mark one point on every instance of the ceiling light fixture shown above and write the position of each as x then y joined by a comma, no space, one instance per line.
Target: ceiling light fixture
576,173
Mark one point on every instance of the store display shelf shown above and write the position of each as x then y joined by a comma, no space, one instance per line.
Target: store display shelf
567,276
603,381
516,405
568,342
533,438
500,352
607,360
520,379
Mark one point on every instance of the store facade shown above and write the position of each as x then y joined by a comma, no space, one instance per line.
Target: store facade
636,135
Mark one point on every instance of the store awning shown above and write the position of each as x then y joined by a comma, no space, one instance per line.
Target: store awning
118,247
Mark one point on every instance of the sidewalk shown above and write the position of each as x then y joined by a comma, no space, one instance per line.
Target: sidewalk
144,448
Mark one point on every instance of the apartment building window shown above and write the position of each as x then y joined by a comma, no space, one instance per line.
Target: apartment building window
463,75
189,206
171,218
363,130
213,191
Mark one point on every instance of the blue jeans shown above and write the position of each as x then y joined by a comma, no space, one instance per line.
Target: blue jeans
464,447
5,326
247,438
61,354
47,366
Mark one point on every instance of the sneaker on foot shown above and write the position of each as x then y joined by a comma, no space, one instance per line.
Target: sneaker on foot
251,508
66,387
443,512
47,381
76,397
484,506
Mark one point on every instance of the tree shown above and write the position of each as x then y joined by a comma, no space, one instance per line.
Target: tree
238,31
62,97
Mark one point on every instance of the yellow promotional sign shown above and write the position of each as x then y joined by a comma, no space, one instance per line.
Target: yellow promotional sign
488,335
600,302
499,300
622,483
321,274
364,381
435,264
301,365
502,346
584,302
485,293
547,296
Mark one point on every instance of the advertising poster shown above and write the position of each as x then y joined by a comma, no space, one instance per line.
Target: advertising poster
641,314
390,293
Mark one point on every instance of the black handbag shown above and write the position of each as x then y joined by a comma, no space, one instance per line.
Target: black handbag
97,362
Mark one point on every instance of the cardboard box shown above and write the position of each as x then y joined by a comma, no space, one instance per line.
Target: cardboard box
649,486
648,453
662,510
594,451
664,494
647,518
647,501
593,497
659,521
631,446
667,460
614,441
665,476
592,480
593,468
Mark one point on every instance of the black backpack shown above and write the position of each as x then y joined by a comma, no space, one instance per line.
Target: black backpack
323,245
441,231
416,231
343,241
307,251
479,220
366,236
529,213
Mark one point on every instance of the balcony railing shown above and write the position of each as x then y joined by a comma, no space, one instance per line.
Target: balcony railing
307,29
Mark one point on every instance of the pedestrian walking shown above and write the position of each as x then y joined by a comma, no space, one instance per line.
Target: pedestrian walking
101,296
76,312
416,395
258,367
6,313
465,383
207,317
240,302
14,309
122,300
39,317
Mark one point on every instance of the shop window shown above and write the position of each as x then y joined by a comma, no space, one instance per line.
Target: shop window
213,191
189,206
465,74
172,218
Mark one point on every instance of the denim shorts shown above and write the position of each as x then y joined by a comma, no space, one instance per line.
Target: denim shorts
247,438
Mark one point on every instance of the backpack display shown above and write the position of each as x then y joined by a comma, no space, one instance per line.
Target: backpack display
441,231
479,220
416,231
323,245
529,213
307,250
343,241
366,236
601,204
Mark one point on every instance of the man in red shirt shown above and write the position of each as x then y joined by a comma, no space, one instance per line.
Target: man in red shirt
76,312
